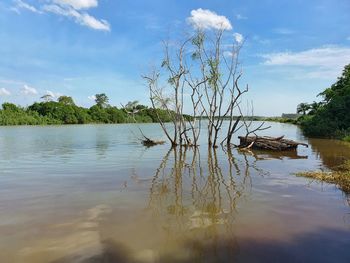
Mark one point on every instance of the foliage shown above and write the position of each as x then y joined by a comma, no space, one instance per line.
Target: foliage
64,111
15,115
101,100
66,100
47,97
303,108
330,117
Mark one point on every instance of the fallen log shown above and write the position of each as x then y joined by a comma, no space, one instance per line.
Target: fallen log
268,143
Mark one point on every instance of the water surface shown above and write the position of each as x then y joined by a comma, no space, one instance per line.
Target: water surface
93,193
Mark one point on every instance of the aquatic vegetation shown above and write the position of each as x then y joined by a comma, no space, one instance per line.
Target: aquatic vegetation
340,176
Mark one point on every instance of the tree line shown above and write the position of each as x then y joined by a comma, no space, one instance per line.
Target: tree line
65,111
331,116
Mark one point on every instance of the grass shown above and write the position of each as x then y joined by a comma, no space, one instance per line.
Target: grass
340,176
346,138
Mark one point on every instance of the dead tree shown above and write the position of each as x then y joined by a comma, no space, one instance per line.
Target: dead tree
203,72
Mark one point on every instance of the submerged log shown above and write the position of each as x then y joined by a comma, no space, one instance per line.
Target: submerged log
268,143
149,143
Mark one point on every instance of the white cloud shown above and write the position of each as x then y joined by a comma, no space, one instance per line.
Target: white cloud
78,4
4,92
94,23
206,19
81,18
325,62
53,94
26,90
67,8
92,97
324,57
241,17
19,4
238,37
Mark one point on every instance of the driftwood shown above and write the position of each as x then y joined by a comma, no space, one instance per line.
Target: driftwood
268,143
149,143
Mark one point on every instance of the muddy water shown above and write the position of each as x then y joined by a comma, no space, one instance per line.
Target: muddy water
94,194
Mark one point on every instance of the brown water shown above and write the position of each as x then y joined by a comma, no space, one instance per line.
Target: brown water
94,194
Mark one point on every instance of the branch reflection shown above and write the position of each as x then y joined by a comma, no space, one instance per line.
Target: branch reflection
196,195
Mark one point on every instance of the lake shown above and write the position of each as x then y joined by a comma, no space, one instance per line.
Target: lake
93,193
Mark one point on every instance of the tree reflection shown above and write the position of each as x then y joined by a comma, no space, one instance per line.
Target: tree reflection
196,195
332,152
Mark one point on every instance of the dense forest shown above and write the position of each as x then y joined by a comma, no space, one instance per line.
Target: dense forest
65,111
331,116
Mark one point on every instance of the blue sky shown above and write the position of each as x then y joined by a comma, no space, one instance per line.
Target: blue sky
292,51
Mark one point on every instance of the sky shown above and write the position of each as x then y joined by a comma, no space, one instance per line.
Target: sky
292,50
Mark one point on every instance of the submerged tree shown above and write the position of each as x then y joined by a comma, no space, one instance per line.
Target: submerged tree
202,73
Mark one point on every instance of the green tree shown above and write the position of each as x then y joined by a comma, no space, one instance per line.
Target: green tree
47,97
66,100
331,117
10,107
116,115
101,100
64,111
303,108
99,114
314,107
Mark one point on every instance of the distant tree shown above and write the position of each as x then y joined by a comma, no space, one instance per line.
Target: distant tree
64,111
132,108
116,115
47,98
303,108
10,107
101,100
66,100
314,107
99,114
132,104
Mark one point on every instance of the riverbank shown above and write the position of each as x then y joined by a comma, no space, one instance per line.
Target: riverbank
281,120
